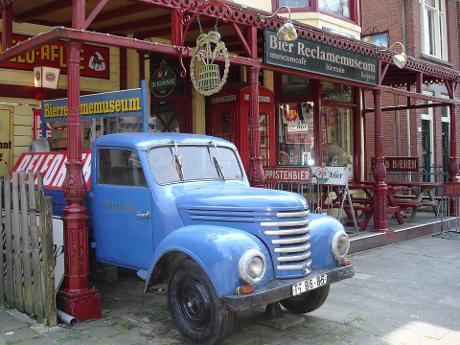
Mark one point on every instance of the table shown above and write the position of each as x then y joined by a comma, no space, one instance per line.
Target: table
366,204
420,194
362,207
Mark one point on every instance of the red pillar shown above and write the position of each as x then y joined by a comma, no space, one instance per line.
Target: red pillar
76,298
7,26
256,170
453,161
381,189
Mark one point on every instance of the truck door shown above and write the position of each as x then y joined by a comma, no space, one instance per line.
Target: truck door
121,209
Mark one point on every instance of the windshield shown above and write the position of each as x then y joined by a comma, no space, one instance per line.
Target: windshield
175,163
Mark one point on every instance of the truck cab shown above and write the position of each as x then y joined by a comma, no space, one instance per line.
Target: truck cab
178,209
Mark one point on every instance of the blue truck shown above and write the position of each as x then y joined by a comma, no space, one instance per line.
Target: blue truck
179,210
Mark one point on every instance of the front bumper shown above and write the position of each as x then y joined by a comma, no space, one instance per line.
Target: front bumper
279,289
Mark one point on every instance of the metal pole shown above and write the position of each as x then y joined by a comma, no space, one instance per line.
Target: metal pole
256,170
453,160
381,189
76,298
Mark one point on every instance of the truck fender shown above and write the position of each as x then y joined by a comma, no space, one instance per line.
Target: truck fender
215,249
322,230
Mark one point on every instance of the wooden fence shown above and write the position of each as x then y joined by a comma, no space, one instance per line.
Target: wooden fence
27,259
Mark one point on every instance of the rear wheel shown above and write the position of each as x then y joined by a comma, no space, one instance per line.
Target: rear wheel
308,301
197,311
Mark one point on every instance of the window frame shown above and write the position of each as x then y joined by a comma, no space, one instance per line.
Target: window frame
441,51
314,7
99,167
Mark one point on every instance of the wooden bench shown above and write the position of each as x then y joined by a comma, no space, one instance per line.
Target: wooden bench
366,211
412,205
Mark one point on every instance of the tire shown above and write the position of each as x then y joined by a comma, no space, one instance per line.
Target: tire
197,311
308,301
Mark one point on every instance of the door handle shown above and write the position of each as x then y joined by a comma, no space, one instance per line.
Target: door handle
143,215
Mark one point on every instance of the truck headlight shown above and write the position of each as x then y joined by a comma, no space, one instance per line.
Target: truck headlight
340,245
252,266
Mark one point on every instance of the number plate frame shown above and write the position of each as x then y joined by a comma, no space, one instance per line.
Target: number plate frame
309,284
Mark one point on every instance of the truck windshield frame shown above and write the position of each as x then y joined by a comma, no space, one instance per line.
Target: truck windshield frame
197,163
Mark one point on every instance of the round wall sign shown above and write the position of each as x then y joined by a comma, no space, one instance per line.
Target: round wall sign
163,81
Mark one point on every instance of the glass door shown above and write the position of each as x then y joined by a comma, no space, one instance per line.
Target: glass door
168,116
426,149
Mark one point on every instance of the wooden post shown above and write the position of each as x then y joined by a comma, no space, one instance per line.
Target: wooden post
35,236
16,231
7,26
2,231
26,250
9,245
381,189
46,207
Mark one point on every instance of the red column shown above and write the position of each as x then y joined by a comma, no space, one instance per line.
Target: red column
76,298
256,170
7,26
316,90
381,189
453,161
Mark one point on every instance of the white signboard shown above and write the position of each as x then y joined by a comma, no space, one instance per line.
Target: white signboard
330,175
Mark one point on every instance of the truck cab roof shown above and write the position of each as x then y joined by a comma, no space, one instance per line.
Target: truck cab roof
144,141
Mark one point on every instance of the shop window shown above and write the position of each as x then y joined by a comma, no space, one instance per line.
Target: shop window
165,117
264,138
336,92
295,3
434,28
337,136
294,86
120,167
345,9
296,134
337,7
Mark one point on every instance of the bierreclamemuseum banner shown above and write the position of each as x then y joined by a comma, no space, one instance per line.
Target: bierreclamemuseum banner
310,56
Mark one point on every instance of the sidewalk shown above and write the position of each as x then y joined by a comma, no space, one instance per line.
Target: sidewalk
405,293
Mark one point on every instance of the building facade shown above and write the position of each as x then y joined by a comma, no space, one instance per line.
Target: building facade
429,30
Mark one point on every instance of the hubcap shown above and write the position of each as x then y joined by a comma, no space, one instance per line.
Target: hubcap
195,304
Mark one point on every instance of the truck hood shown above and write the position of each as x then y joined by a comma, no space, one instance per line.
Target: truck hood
238,196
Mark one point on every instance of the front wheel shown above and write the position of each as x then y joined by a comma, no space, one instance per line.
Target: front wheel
308,301
197,311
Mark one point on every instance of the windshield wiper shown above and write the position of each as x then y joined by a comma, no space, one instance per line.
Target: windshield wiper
220,172
178,162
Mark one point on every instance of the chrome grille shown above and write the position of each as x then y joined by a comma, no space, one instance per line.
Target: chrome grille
291,240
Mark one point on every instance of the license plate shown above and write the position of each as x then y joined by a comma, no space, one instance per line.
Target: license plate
309,284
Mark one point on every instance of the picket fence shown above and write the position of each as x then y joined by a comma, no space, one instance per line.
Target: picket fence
27,260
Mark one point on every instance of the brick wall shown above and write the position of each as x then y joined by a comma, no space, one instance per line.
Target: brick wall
378,16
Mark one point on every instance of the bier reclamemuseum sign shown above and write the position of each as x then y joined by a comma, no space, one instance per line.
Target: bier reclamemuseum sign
310,56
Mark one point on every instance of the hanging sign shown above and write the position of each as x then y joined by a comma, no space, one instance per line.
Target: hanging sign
291,174
400,164
298,134
163,81
95,60
330,175
52,167
204,72
311,56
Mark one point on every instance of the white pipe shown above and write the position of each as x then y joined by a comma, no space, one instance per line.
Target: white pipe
67,319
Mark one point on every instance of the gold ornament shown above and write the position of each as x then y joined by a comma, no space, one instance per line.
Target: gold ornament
204,73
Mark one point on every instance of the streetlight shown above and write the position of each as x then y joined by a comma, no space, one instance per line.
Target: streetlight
287,31
45,78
